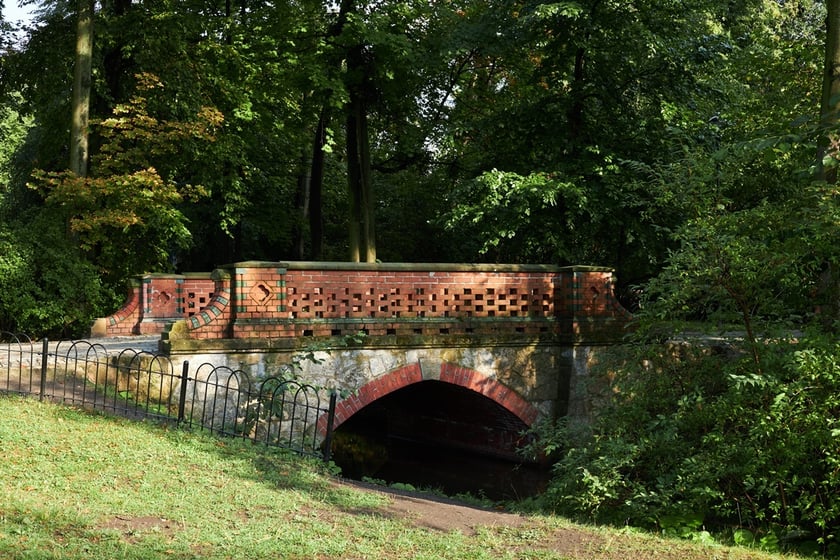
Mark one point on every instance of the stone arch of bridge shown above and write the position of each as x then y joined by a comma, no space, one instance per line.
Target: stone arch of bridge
454,374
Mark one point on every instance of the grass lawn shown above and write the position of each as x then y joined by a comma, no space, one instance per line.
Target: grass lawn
77,485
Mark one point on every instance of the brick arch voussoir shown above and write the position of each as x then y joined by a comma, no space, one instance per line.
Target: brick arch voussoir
376,389
449,373
491,388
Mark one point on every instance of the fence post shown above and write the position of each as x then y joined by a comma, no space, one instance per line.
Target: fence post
182,401
330,420
44,359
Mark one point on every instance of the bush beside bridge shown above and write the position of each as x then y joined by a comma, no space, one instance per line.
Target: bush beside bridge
690,440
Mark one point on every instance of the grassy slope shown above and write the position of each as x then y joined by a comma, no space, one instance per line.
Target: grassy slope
78,486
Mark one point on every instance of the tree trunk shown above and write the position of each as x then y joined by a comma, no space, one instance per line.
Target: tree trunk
362,233
365,186
828,151
316,188
81,89
354,182
302,207
362,238
309,196
830,106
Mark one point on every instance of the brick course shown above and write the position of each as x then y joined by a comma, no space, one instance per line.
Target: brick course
450,373
283,300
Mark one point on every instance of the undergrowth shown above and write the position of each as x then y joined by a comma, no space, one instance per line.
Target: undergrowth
691,441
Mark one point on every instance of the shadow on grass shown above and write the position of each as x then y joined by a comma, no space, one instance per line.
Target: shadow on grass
274,467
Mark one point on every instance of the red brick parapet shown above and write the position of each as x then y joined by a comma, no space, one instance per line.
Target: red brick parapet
587,307
214,317
267,300
123,322
154,302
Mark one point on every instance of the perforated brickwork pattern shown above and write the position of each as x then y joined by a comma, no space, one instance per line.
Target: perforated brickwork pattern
265,300
212,320
338,294
195,295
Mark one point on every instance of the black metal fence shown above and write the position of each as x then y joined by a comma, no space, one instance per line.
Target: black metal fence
275,410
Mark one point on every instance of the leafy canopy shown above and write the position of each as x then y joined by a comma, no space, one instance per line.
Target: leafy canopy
126,211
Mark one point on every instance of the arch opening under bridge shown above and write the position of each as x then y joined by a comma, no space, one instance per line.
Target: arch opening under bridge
511,343
460,432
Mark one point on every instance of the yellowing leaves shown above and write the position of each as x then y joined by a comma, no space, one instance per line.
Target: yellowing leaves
134,138
129,206
100,205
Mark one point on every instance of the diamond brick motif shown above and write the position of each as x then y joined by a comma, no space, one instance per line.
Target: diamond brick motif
260,293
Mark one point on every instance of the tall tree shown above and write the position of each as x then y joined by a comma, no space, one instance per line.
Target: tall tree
362,238
350,36
79,151
830,104
828,151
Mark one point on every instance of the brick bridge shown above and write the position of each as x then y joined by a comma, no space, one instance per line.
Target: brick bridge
498,346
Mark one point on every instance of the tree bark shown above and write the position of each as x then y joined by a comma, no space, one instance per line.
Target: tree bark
362,237
829,149
301,207
354,182
316,188
81,89
362,231
830,105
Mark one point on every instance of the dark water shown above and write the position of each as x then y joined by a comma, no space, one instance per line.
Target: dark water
450,470
433,435
456,471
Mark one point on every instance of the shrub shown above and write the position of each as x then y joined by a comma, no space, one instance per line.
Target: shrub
693,438
47,287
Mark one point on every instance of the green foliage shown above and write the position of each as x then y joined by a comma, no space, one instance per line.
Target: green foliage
13,128
500,207
651,135
755,265
693,439
700,436
577,99
48,287
126,213
736,267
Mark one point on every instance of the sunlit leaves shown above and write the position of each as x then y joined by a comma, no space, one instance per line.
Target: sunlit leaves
126,210
13,128
498,208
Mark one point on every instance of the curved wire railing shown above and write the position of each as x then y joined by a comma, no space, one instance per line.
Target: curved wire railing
275,410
